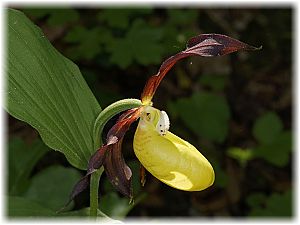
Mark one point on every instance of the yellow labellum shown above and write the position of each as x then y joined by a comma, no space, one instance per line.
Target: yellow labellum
168,157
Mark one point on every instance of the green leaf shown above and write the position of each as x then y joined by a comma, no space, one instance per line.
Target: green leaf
22,159
277,205
221,179
119,17
267,127
85,212
22,207
107,94
88,42
115,206
242,155
46,90
256,200
141,44
206,114
277,152
52,186
62,15
175,39
118,207
214,81
182,16
56,16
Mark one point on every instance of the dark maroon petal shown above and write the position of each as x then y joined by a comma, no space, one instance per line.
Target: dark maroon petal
117,171
205,45
115,167
79,187
142,175
96,161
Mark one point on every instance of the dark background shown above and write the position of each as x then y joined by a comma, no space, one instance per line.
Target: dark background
243,123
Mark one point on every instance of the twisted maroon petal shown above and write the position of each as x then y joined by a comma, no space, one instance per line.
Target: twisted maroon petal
205,45
115,167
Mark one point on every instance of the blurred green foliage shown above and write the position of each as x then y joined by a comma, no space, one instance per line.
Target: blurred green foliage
21,161
58,187
267,128
48,189
236,109
55,16
275,144
242,155
23,207
215,82
126,50
271,205
206,114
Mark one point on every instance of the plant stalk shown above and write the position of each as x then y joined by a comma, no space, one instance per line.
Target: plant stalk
94,187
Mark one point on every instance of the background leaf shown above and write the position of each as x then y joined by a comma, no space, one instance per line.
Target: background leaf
242,155
214,81
221,179
115,206
54,181
86,43
120,17
277,152
55,16
278,204
85,212
206,114
22,159
267,127
22,207
141,44
47,91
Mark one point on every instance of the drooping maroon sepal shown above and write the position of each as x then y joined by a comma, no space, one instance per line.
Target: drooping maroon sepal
110,156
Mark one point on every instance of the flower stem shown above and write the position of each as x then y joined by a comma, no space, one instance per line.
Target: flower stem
94,187
109,112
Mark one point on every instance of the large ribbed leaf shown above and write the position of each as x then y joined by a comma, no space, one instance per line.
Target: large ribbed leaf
47,90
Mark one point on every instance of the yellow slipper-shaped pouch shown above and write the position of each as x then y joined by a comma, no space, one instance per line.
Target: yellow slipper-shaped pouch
167,157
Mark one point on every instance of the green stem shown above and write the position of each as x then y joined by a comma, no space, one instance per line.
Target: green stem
94,187
109,112
99,124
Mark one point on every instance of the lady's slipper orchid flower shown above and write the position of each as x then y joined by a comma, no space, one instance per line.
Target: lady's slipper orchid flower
166,156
